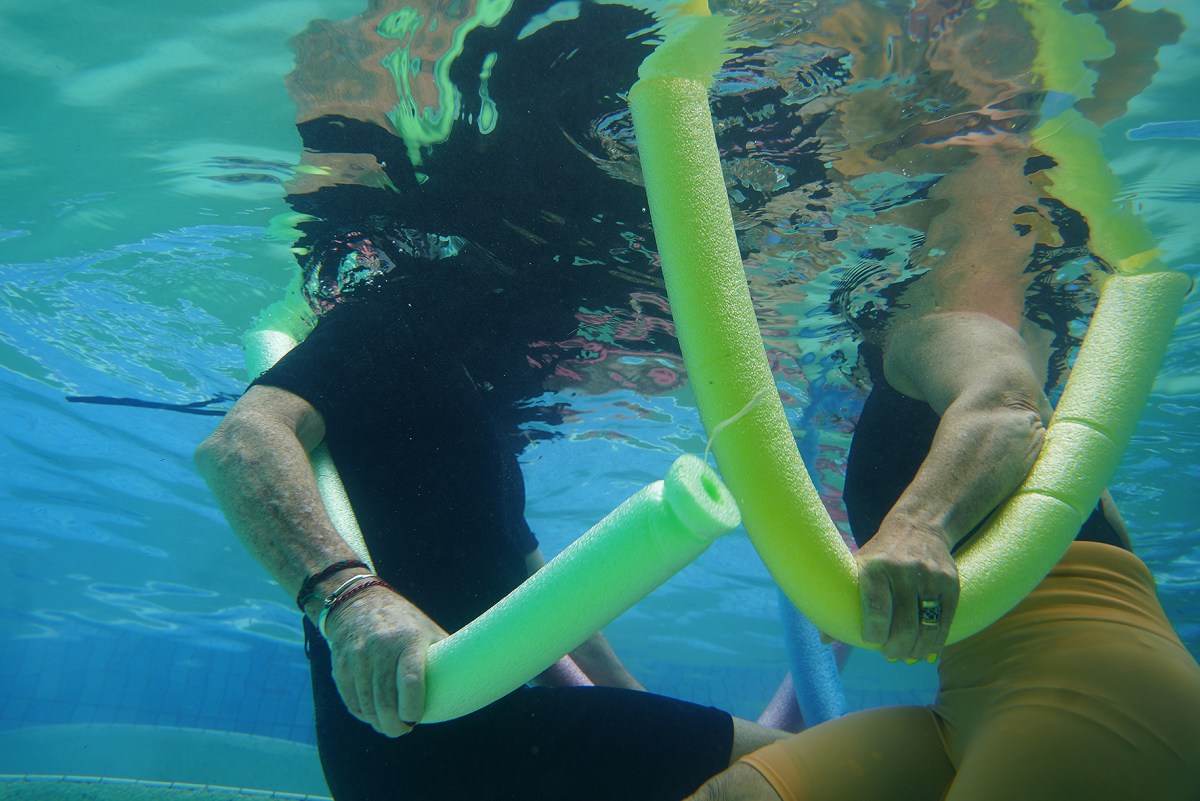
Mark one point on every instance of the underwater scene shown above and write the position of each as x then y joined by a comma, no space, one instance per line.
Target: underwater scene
330,328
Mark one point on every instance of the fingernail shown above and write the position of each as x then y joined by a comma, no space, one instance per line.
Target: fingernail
910,661
931,658
891,659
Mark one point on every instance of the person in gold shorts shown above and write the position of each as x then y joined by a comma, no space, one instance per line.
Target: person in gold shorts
1083,690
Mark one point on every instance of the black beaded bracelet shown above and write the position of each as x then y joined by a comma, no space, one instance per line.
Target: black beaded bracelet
310,584
343,594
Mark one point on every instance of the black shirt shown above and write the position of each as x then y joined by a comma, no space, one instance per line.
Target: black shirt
427,461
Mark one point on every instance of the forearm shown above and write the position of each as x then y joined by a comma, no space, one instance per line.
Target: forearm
978,375
982,451
260,474
600,663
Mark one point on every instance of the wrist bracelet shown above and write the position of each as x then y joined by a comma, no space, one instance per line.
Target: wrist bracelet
310,584
344,593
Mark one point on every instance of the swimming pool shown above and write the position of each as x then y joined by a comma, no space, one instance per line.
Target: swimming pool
144,147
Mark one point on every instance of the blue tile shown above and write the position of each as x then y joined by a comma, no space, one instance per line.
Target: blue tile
47,687
83,714
16,709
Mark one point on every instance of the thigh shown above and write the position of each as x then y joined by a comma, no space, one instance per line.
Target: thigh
1111,714
537,744
889,753
1040,753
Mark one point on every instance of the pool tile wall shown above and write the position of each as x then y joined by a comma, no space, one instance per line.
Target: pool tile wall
142,679
262,687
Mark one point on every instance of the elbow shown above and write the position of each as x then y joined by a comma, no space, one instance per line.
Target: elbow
1009,409
1019,425
1033,437
214,453
230,445
1005,427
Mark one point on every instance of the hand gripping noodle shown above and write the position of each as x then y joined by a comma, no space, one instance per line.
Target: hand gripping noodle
727,368
637,547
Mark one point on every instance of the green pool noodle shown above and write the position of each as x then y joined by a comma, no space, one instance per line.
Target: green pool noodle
728,370
637,547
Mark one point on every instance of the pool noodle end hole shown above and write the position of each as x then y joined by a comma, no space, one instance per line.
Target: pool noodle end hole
699,499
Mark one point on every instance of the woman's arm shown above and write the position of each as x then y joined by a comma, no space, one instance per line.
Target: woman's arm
978,375
256,464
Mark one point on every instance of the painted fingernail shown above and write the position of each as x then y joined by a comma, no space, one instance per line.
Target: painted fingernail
891,659
910,661
931,658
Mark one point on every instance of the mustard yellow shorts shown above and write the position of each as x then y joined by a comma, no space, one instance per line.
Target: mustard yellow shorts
1083,691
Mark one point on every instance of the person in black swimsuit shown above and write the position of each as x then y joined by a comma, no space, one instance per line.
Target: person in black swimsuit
456,273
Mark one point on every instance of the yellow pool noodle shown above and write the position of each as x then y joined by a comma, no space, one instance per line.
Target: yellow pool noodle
718,333
727,368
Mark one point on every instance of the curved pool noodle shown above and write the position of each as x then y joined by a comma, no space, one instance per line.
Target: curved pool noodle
727,369
816,676
639,545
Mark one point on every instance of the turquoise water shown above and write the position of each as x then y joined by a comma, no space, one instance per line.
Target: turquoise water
142,147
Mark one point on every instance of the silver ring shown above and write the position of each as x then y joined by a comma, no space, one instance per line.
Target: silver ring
930,612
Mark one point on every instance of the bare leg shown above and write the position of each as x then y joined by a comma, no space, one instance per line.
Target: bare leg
748,737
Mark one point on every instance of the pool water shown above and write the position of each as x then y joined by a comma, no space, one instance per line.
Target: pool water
142,150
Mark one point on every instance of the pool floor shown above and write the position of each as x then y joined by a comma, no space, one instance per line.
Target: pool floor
132,761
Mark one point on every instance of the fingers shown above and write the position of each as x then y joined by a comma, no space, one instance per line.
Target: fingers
922,608
907,605
354,677
345,677
876,592
379,691
935,608
388,718
367,681
378,648
902,640
409,676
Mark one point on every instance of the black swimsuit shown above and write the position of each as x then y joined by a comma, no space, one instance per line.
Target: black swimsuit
429,462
